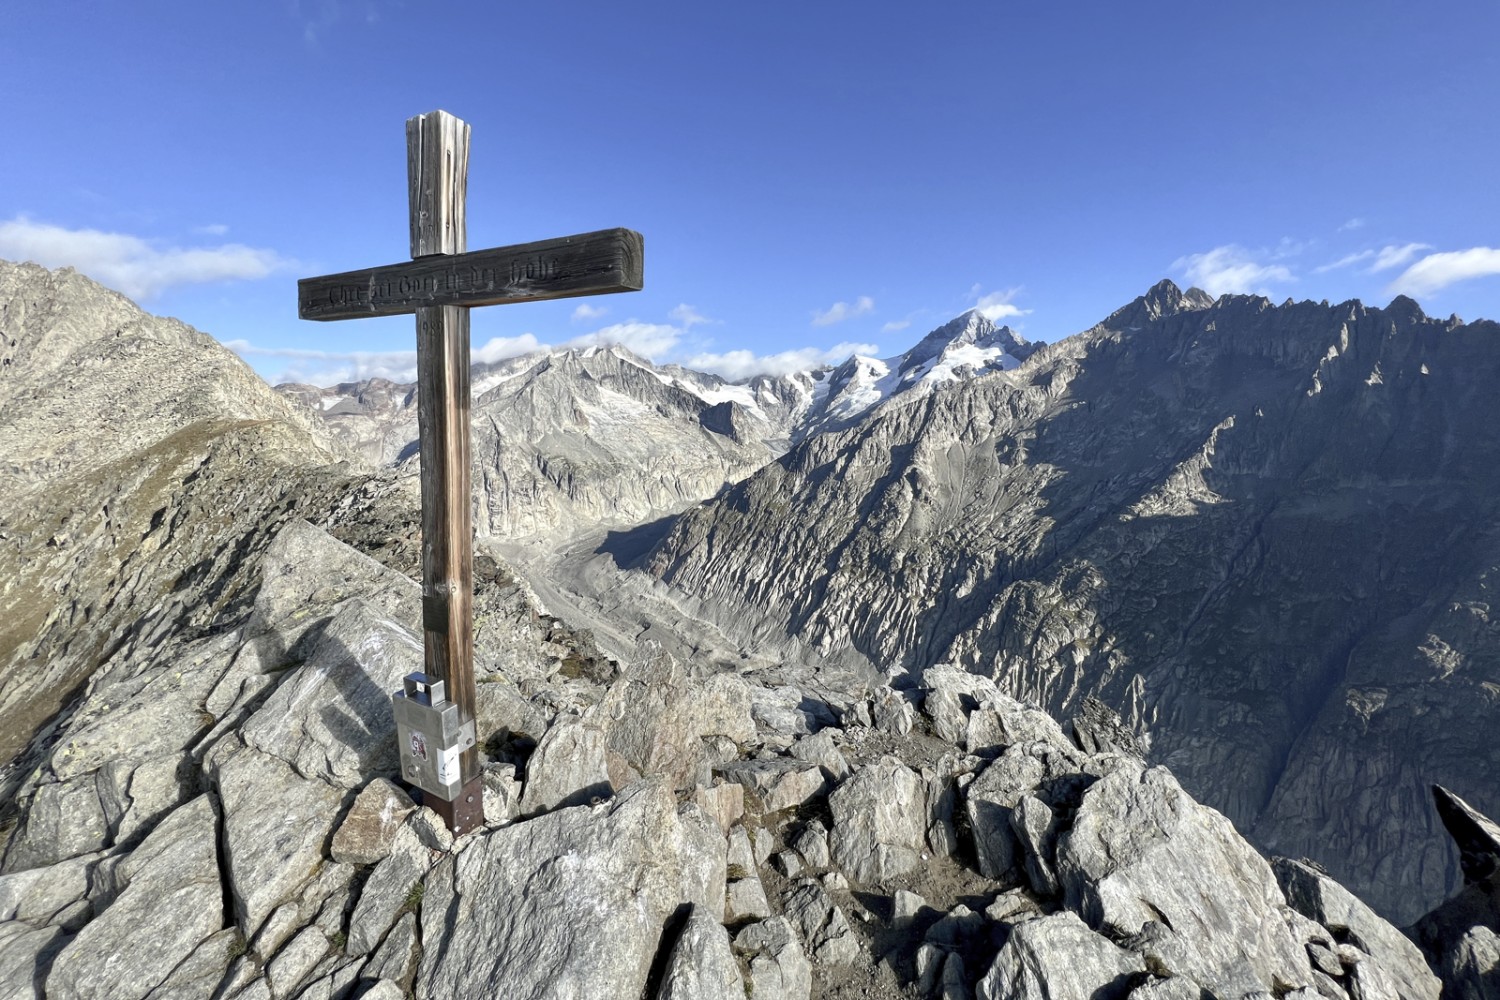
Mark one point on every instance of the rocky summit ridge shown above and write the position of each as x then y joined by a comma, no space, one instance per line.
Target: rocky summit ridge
209,807
1267,534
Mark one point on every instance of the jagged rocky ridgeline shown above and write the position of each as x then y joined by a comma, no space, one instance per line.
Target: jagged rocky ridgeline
1267,533
571,440
218,818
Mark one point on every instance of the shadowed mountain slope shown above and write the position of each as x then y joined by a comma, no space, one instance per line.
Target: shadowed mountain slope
1266,533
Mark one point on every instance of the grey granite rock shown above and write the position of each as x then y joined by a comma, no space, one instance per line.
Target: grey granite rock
365,834
1318,897
1035,827
779,969
821,748
391,888
1142,852
64,819
26,953
990,803
567,768
330,718
171,902
39,895
775,784
879,822
701,965
295,961
396,958
745,899
1058,958
271,852
575,899
200,973
826,934
658,718
812,843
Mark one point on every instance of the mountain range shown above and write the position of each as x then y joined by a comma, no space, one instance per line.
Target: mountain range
771,672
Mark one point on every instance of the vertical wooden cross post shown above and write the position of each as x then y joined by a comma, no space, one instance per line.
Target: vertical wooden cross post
439,285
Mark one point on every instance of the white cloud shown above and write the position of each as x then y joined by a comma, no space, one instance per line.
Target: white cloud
1384,259
1439,270
840,311
129,264
997,305
1230,268
213,229
1394,256
1345,261
500,348
649,340
735,365
585,312
688,317
1354,223
331,367
895,326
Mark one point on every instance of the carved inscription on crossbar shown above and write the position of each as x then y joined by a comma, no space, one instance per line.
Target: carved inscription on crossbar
611,260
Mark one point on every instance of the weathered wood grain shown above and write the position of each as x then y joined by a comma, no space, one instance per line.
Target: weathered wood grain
437,182
447,529
610,260
437,155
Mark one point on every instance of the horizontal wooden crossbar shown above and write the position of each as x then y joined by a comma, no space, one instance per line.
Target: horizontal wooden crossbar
611,260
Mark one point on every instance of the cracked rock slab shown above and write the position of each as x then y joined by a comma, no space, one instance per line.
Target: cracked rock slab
173,901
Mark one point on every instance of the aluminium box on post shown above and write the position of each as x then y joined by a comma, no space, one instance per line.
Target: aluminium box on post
429,736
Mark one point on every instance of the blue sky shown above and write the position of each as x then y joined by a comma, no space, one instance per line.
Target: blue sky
810,178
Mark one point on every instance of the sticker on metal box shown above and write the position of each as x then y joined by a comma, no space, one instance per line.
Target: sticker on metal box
418,745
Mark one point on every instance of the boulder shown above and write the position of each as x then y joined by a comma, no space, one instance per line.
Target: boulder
1059,958
330,717
824,928
271,851
701,965
1142,852
1097,728
779,969
1476,836
567,768
364,836
573,902
26,953
879,822
393,887
991,799
820,748
1318,897
657,718
775,784
64,819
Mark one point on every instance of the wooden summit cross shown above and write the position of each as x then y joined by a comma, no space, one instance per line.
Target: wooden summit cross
439,285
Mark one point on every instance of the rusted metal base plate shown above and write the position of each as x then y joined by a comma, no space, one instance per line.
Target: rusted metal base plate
464,814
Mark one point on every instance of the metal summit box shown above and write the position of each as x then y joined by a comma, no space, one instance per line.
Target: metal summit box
429,736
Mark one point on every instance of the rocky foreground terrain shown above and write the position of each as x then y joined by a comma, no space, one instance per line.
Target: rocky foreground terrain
218,817
207,807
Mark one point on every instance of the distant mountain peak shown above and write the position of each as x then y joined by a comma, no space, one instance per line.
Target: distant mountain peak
1162,299
972,328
